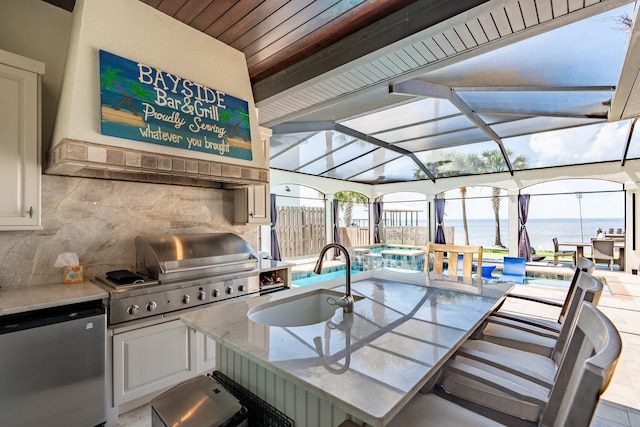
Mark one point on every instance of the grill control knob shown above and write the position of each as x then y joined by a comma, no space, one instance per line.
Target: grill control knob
215,293
186,299
229,290
133,309
151,306
242,288
202,295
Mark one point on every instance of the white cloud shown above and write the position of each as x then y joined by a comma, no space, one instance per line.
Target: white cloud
579,145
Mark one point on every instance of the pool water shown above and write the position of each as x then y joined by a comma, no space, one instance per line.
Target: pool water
378,249
303,279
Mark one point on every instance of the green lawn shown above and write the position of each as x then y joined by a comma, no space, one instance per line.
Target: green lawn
498,254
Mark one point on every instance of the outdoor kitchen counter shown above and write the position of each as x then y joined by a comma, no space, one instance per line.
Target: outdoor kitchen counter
18,300
366,365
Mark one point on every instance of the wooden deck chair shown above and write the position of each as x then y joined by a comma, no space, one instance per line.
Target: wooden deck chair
558,253
583,376
436,254
502,322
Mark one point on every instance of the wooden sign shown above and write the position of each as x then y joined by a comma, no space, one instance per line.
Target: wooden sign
143,103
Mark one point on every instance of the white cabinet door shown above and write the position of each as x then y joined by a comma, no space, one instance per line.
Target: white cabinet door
149,359
19,149
252,205
205,354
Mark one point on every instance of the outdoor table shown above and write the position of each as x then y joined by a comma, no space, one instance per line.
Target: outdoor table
618,244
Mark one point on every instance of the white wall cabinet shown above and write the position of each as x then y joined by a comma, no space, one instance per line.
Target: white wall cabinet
252,205
150,359
20,142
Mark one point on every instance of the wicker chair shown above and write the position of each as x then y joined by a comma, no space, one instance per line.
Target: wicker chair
603,251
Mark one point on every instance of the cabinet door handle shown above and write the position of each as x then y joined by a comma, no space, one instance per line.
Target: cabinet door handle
31,212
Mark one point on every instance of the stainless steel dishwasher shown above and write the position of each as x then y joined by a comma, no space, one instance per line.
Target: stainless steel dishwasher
52,366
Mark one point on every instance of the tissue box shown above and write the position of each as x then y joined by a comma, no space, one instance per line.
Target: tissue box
72,274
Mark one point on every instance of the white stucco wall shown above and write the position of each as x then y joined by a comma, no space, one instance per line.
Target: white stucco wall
133,30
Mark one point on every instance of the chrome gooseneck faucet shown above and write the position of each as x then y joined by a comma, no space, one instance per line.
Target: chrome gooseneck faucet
346,302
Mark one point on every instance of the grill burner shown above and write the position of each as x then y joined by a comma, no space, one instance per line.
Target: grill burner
183,271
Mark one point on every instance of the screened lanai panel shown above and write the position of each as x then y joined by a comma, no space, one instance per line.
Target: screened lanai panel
319,145
361,164
337,157
279,143
401,169
584,53
448,140
586,144
634,145
432,127
400,116
570,103
532,125
464,160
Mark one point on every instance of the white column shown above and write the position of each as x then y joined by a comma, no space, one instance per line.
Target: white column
328,221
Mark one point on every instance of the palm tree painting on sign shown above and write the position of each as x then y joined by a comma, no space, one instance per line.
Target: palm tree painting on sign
111,78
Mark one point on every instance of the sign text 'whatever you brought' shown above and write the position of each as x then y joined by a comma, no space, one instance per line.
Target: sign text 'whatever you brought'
144,103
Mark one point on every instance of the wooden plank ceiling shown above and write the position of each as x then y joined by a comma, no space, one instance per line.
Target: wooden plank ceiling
273,34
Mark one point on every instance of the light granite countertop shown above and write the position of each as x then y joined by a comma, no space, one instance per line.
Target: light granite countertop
371,362
27,298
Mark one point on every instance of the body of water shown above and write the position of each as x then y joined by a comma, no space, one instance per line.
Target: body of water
541,231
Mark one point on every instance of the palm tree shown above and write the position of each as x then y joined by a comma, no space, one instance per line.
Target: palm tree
457,165
493,161
463,196
347,200
329,138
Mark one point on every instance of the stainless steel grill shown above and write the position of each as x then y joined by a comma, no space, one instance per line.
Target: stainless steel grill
181,272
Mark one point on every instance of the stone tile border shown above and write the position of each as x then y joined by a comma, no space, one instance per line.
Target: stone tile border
91,160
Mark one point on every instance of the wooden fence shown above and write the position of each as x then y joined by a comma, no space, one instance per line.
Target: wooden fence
354,236
300,231
405,235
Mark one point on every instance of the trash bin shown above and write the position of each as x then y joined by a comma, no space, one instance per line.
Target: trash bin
198,402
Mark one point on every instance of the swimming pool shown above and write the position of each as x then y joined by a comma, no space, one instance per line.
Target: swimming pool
310,278
303,279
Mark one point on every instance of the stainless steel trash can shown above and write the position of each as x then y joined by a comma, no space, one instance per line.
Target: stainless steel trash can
198,402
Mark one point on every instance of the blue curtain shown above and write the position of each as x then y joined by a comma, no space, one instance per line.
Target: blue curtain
524,246
275,246
377,215
336,233
440,220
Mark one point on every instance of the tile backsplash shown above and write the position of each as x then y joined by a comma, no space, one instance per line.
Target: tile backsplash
99,220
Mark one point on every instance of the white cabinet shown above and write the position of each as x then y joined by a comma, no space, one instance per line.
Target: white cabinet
252,205
150,359
20,140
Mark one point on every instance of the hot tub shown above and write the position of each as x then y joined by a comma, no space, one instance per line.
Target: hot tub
389,256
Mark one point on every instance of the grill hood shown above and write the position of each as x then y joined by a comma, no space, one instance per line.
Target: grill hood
187,256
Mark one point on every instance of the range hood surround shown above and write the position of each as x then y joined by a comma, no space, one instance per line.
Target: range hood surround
91,160
133,30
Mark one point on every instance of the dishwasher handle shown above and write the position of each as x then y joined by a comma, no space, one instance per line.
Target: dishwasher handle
49,316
